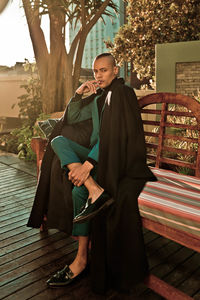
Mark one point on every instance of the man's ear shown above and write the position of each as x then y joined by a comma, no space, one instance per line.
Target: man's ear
116,70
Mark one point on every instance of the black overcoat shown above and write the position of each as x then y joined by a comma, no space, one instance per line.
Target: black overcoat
53,193
117,252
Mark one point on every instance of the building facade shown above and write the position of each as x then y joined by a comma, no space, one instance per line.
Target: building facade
100,32
178,67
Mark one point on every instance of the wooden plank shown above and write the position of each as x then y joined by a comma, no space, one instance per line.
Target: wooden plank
18,218
174,257
15,173
26,275
13,193
156,247
165,290
21,192
9,210
151,111
38,289
16,183
191,285
19,237
12,226
57,244
186,273
177,162
178,150
151,145
29,259
12,175
21,243
13,207
181,138
44,240
164,261
15,187
150,236
14,232
12,215
161,255
18,197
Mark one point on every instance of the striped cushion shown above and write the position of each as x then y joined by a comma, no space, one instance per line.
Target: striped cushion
174,200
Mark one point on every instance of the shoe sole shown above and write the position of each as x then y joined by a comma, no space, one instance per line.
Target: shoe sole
83,219
54,286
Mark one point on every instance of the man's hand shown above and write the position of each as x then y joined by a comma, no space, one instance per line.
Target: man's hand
79,174
88,86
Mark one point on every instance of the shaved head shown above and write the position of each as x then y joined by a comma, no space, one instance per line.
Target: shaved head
107,55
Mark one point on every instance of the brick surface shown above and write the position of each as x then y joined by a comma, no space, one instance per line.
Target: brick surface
188,78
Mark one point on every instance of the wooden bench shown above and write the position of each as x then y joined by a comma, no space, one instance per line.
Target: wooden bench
170,206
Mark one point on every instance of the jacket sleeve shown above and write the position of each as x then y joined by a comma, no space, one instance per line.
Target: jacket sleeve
94,153
76,112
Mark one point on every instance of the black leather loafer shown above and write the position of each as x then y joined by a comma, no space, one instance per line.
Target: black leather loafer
92,209
64,277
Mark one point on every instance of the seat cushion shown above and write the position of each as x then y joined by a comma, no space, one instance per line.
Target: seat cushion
174,200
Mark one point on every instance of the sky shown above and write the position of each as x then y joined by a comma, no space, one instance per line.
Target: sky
15,42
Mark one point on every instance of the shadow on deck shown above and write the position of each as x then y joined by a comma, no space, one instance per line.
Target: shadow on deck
27,257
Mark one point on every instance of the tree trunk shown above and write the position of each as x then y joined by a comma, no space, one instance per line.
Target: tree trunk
77,65
53,90
59,71
51,66
37,38
68,86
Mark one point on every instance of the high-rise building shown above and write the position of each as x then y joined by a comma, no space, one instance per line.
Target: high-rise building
95,40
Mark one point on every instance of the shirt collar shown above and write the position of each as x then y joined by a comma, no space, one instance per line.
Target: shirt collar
107,88
104,91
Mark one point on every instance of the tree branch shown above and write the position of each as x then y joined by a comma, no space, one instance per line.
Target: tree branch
36,33
77,64
83,19
75,43
97,15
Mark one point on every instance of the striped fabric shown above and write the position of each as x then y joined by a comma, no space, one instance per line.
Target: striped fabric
174,200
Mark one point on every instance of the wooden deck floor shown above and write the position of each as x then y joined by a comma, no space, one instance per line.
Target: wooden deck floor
27,257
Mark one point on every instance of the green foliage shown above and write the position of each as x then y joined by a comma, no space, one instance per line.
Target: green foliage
24,136
9,143
197,95
30,104
73,9
151,22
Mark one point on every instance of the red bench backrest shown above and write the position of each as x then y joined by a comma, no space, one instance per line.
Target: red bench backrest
172,131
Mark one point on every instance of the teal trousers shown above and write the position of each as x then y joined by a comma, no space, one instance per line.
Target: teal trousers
70,152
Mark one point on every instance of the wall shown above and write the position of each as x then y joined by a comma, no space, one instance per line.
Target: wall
9,91
188,78
171,58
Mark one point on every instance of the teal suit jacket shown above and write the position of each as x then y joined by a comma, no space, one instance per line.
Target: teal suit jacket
77,112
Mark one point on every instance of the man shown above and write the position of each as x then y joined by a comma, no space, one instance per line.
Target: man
112,168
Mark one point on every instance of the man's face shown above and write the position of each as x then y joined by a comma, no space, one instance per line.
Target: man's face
104,71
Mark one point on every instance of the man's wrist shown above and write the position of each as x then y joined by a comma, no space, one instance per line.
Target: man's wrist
92,161
88,165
